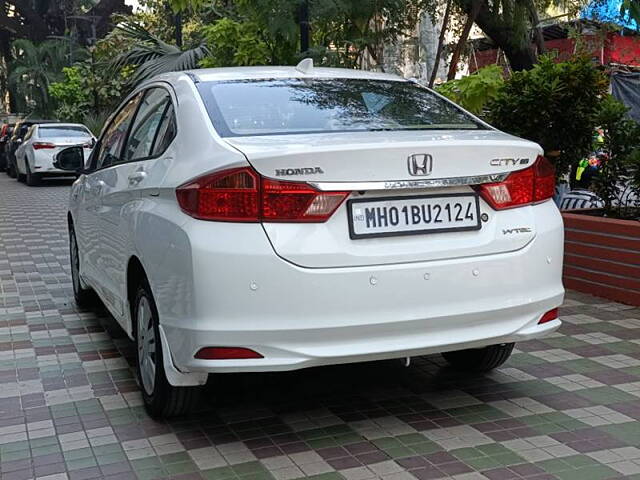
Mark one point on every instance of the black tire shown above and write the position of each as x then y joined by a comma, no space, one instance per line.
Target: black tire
33,179
84,297
11,169
480,359
21,177
161,399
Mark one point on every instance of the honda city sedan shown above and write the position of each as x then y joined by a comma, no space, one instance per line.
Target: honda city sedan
263,219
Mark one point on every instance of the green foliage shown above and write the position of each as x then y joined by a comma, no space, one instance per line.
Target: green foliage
35,67
553,104
235,43
148,55
88,91
250,32
621,169
473,92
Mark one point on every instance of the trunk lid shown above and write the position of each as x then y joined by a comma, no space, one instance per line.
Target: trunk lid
383,157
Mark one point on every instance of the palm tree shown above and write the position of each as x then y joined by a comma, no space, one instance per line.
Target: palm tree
151,56
35,67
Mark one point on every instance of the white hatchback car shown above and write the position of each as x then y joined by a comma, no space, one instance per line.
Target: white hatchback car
35,155
276,218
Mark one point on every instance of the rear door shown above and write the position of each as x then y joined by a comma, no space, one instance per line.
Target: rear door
106,154
131,174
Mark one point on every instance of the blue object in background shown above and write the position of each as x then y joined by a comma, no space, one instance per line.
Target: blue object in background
608,11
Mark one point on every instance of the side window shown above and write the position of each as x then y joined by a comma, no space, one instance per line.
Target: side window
113,138
145,126
166,132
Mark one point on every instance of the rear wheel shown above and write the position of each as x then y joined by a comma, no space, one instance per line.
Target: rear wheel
480,359
160,398
11,169
33,179
85,297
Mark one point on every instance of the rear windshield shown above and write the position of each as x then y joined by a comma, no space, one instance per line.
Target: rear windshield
287,106
50,132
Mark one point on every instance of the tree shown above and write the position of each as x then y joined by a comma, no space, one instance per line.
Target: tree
344,32
507,23
35,67
149,55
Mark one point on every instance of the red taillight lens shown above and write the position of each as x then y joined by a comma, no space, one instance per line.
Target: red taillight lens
231,195
550,315
242,195
226,353
531,185
43,145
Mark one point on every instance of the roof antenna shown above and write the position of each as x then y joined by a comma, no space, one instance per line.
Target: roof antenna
305,66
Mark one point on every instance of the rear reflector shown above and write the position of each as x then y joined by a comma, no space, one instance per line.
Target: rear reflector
43,145
242,195
226,353
550,315
524,187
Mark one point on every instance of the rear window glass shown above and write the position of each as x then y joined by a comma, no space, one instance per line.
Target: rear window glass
49,132
287,106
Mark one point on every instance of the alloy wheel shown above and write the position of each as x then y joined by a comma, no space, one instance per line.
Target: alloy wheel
146,345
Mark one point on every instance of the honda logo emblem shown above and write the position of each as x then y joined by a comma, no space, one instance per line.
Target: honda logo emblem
420,164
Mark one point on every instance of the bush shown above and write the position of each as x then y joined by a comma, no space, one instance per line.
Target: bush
474,91
619,172
555,105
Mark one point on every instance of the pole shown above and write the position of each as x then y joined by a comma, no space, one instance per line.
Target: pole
304,26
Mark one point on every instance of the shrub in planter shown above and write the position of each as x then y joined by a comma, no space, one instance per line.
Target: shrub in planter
619,174
553,104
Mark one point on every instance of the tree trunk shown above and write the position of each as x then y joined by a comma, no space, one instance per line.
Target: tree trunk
464,36
537,30
443,31
516,46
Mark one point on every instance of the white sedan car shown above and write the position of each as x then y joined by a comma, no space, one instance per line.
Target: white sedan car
35,155
276,218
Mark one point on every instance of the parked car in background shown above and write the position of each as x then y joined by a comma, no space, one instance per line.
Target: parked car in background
258,219
5,135
19,132
35,155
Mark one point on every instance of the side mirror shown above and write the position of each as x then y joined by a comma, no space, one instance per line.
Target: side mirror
71,159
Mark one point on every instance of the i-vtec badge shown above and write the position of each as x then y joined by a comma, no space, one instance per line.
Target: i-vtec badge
287,172
509,231
508,162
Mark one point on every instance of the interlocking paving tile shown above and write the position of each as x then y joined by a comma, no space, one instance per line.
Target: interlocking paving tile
564,407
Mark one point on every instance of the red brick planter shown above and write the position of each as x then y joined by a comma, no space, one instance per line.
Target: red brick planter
602,257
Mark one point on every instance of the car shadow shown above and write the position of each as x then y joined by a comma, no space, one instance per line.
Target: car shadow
373,387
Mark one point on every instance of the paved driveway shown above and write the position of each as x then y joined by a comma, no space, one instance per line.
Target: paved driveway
567,407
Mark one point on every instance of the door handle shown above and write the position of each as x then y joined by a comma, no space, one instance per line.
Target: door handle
136,177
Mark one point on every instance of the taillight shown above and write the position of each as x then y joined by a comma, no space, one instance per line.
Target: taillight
524,187
242,195
43,145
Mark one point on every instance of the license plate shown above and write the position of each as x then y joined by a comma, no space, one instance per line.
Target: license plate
385,217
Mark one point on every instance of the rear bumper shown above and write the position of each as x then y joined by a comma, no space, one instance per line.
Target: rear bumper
301,317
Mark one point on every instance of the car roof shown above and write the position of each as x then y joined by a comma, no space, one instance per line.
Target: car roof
266,72
58,124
